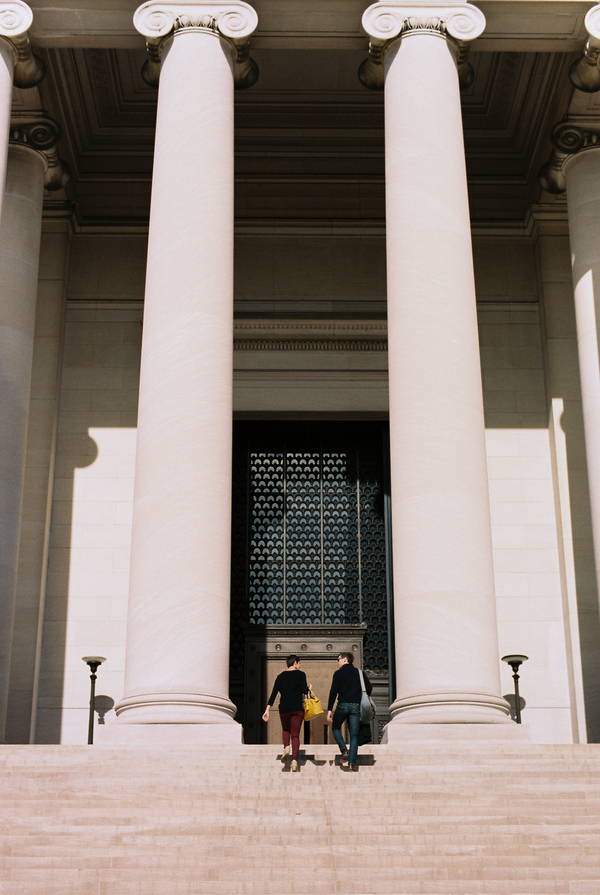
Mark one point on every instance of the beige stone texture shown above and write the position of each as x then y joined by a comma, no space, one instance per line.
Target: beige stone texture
37,489
178,619
88,572
583,201
443,568
450,818
19,258
8,57
571,484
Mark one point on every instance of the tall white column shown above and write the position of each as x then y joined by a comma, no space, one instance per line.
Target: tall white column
17,65
444,601
574,166
582,172
19,257
177,661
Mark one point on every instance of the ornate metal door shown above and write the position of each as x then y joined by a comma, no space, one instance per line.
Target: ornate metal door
309,532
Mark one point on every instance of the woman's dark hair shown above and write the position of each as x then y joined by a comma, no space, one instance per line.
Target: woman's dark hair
291,660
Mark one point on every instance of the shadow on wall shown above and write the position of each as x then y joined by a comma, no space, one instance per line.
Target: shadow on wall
102,705
510,698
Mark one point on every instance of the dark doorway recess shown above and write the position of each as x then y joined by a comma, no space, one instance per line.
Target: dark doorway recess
310,535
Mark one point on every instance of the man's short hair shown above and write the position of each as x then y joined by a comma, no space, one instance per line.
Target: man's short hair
349,657
291,660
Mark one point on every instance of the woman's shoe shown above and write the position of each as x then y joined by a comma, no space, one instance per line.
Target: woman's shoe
344,756
286,752
294,765
352,767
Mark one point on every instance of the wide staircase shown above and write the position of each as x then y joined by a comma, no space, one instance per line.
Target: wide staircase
414,820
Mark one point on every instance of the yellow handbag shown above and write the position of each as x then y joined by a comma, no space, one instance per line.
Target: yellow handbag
312,706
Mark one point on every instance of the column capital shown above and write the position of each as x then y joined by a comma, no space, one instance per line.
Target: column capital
15,20
232,20
585,72
40,133
569,137
388,20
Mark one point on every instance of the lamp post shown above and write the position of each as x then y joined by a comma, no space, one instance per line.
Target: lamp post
515,662
93,662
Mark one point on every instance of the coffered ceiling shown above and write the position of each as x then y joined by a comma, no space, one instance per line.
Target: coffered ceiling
309,137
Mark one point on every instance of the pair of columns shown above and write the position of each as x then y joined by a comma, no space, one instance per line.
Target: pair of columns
29,163
574,167
444,601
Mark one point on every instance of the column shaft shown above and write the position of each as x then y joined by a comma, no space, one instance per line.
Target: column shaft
8,58
178,625
583,201
444,600
20,233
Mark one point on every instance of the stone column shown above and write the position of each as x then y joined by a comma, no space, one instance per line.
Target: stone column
20,230
18,65
574,166
177,660
444,600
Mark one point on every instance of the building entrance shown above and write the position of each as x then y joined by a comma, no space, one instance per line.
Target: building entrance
309,549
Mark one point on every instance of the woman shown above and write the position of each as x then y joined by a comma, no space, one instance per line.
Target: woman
292,686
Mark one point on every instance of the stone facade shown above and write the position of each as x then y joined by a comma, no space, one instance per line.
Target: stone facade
468,329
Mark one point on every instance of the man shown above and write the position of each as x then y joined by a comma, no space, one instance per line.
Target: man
346,687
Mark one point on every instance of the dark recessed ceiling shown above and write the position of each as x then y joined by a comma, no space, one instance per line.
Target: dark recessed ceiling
307,122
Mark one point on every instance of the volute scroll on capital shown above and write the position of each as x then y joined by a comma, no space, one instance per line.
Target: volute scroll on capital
232,20
40,133
569,137
15,20
388,20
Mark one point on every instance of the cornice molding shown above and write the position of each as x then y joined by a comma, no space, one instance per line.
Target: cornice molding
389,20
307,335
231,20
310,345
15,20
569,137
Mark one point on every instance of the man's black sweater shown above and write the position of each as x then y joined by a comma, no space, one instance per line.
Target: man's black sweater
346,686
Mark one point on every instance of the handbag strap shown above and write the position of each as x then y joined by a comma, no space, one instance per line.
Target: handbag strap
362,681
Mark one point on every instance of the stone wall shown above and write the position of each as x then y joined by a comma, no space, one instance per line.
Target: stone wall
86,594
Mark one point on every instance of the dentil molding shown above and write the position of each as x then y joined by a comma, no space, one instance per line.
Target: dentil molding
389,20
232,20
569,137
15,20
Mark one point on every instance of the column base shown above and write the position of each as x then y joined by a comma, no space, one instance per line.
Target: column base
226,734
451,708
395,733
175,708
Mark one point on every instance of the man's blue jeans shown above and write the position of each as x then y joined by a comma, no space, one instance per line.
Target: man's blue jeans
350,711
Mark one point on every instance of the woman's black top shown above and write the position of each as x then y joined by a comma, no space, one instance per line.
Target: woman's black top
293,686
346,686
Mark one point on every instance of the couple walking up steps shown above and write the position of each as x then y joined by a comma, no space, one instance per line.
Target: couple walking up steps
346,687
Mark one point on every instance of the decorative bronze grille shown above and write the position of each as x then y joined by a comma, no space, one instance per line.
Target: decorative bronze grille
309,543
